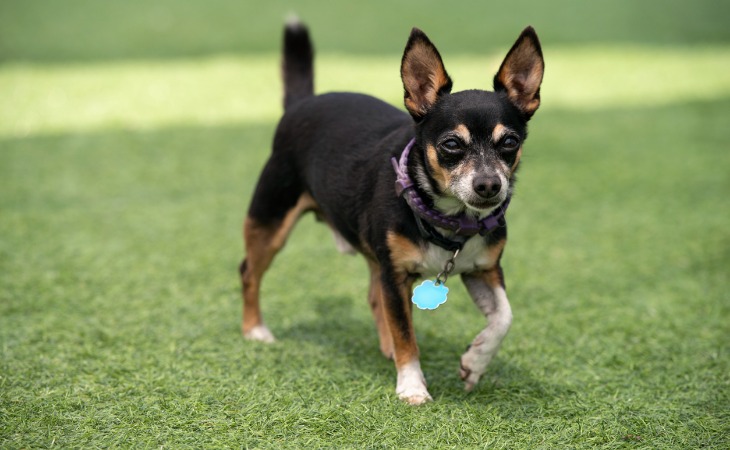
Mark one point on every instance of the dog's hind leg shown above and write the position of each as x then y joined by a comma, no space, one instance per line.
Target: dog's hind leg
274,211
487,291
263,242
375,299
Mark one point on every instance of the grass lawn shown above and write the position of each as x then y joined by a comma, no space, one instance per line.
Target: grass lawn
128,155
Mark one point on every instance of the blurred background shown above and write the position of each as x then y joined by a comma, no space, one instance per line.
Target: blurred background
143,64
86,30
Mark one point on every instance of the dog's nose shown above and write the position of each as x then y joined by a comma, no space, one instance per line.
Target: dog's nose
487,187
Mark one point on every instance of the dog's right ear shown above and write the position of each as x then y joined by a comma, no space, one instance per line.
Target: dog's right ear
423,74
520,74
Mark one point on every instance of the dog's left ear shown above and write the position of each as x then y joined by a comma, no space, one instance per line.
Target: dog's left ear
423,74
520,74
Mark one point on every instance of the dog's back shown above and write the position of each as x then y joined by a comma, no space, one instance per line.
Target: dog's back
320,122
356,133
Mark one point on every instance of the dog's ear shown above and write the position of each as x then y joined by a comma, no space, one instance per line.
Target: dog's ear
521,73
423,74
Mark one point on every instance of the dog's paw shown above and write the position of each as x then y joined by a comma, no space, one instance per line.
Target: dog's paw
471,369
411,387
259,333
415,396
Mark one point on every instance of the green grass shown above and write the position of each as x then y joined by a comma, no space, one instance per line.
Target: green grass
126,170
37,30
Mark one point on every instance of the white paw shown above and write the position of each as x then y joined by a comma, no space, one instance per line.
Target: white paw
411,386
415,397
473,366
260,333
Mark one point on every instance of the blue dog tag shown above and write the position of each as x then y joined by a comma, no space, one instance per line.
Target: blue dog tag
429,295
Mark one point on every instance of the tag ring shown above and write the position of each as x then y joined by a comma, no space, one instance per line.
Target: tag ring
448,268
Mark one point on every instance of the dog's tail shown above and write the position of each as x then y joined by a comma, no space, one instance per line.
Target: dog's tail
298,61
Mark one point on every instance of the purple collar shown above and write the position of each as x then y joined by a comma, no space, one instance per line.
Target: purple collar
462,225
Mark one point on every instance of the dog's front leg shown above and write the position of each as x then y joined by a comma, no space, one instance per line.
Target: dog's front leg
411,385
487,291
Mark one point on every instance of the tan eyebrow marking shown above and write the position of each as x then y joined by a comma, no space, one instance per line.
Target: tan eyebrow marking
498,132
463,133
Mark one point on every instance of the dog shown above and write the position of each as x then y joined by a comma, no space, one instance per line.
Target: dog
418,194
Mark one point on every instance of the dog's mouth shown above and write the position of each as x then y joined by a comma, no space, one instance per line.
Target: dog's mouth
484,206
465,196
453,205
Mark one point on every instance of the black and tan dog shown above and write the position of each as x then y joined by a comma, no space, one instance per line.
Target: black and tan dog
418,196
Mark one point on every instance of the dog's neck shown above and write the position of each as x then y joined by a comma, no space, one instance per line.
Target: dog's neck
463,225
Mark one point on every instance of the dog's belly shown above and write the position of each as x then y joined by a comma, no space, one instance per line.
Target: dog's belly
341,243
474,256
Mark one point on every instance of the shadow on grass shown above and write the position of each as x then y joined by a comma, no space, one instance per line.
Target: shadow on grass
337,330
341,335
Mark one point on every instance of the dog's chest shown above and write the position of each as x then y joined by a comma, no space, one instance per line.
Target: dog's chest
473,256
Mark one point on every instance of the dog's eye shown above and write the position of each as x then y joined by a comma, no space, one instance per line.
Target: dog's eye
510,143
451,145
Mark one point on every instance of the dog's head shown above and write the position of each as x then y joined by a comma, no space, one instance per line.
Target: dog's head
471,141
